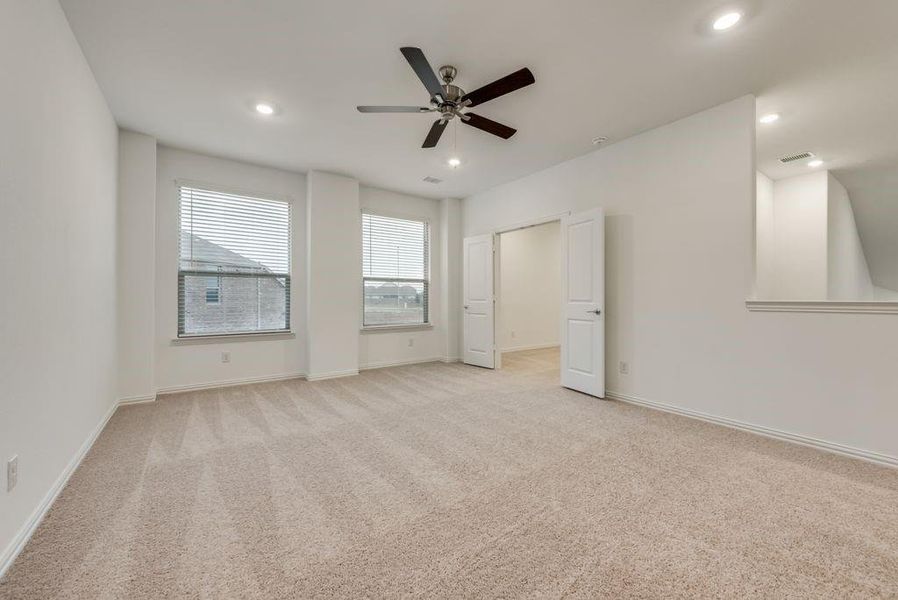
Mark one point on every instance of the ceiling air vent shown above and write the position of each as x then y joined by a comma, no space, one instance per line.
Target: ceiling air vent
794,157
430,179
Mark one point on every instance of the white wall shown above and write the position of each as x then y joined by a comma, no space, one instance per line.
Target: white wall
382,348
529,288
186,364
136,322
848,277
334,270
679,266
765,239
450,275
58,200
800,207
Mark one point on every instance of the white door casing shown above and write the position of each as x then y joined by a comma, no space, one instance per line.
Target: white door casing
478,301
583,302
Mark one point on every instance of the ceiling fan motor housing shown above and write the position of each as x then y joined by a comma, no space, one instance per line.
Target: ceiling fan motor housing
451,101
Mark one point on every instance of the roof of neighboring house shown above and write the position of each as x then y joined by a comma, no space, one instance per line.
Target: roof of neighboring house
394,289
204,252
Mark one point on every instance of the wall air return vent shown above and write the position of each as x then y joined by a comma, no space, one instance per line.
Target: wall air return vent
794,157
430,179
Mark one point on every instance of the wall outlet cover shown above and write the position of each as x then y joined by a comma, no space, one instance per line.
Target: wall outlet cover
624,367
225,357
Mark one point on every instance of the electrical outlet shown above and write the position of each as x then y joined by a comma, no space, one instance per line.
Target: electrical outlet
514,334
411,342
624,367
225,357
12,473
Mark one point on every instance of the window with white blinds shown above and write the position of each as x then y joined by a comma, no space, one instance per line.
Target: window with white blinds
395,271
234,267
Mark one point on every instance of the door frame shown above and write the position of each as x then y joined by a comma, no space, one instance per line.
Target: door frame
497,261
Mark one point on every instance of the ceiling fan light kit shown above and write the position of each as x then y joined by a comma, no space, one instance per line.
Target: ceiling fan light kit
451,101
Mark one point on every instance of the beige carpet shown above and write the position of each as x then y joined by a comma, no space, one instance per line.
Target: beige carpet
451,481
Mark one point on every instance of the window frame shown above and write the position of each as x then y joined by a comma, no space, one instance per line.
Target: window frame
426,282
288,277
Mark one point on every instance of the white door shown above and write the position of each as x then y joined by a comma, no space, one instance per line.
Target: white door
479,336
583,302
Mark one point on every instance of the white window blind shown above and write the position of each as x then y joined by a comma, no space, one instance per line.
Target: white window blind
395,271
234,267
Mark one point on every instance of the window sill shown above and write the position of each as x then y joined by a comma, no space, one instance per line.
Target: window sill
875,308
224,338
388,328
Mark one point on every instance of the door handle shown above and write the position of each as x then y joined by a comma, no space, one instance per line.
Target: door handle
467,307
594,312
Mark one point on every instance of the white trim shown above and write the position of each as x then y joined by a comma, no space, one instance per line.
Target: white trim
531,223
850,451
209,385
223,338
400,363
450,359
376,212
136,400
394,328
531,347
24,534
332,374
230,190
876,308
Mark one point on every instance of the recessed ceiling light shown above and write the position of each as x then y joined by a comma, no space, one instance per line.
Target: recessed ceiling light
454,162
815,163
264,109
771,118
726,21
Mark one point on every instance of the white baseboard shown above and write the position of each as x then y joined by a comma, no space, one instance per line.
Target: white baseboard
332,374
24,534
867,455
532,347
209,385
399,363
450,359
136,400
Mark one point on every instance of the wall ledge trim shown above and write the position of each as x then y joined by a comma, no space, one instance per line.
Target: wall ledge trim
832,447
875,308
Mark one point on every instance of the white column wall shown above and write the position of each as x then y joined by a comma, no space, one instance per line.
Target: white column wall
136,266
334,249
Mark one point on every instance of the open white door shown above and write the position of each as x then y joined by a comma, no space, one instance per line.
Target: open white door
583,302
477,284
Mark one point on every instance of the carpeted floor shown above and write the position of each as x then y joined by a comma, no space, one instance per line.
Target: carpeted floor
443,480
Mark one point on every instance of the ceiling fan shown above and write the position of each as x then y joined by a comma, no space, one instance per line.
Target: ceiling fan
451,101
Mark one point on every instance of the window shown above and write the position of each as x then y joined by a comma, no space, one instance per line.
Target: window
234,267
395,271
213,290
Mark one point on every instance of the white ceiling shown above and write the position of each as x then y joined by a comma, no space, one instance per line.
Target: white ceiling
189,72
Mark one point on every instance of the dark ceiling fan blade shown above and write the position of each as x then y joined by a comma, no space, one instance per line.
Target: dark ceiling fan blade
423,70
488,125
500,87
433,136
393,109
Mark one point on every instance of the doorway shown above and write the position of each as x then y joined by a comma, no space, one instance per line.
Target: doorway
528,300
582,299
